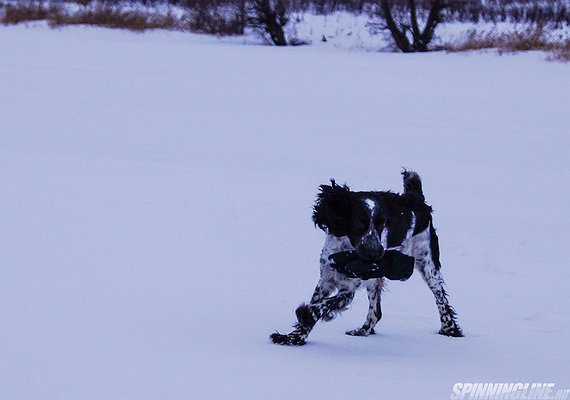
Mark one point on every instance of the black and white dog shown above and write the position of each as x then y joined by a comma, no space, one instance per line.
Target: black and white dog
370,225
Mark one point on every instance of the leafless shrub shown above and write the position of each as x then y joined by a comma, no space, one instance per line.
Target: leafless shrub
220,19
81,2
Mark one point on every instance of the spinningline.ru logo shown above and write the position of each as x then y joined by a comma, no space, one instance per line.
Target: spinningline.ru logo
507,391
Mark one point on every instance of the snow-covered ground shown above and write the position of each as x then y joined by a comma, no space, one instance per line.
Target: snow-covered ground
156,200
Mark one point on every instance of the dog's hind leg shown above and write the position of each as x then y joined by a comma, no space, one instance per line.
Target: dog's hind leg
430,270
447,315
374,289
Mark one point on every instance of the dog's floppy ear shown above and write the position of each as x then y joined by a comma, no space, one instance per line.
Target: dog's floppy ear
331,212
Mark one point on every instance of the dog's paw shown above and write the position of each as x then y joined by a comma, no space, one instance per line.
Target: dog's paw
454,331
360,332
287,340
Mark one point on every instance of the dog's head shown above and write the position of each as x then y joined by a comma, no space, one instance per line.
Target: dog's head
373,221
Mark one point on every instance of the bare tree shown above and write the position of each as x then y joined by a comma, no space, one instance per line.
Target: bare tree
270,17
405,28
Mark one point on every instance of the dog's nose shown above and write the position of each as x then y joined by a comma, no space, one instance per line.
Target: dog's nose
370,250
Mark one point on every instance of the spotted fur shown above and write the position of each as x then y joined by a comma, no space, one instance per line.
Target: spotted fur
370,223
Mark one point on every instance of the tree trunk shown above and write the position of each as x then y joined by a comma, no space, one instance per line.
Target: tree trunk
434,18
398,34
271,20
420,39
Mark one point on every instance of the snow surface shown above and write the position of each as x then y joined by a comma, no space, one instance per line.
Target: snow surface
156,200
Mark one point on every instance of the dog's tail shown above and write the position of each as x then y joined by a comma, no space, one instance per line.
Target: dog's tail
413,184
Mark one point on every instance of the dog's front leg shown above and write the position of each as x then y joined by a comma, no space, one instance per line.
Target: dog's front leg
306,318
322,305
374,289
309,314
324,288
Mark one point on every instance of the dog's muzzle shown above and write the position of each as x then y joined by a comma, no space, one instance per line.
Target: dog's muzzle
369,248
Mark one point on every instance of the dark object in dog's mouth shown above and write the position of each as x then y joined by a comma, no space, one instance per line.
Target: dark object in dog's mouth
394,265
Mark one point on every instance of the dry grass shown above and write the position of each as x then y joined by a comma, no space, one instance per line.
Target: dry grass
26,11
473,40
562,53
535,38
104,14
114,17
